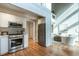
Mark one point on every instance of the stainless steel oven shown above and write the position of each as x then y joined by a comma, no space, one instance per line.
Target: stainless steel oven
15,36
15,42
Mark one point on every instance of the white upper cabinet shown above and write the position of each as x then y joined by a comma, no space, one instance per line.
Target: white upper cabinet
6,18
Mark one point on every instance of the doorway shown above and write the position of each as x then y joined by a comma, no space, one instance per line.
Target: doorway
30,30
37,31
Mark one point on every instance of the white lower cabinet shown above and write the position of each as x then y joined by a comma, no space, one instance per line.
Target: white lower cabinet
3,44
25,40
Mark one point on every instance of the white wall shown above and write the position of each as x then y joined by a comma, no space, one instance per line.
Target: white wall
66,21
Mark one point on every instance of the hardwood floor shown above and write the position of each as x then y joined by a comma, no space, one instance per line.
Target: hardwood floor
36,50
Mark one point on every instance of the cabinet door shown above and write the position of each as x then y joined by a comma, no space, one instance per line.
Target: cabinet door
4,45
25,40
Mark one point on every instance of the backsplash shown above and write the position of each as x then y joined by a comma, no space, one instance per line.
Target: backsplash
7,29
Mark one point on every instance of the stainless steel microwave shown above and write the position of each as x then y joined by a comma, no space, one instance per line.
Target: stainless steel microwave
15,25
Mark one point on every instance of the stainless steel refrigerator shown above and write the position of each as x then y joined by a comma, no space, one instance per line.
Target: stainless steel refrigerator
42,34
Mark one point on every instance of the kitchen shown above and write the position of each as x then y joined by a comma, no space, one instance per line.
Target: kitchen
14,28
18,24
11,33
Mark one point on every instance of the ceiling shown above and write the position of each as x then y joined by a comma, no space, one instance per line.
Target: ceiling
59,8
12,9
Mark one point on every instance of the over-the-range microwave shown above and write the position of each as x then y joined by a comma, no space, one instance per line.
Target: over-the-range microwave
15,25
